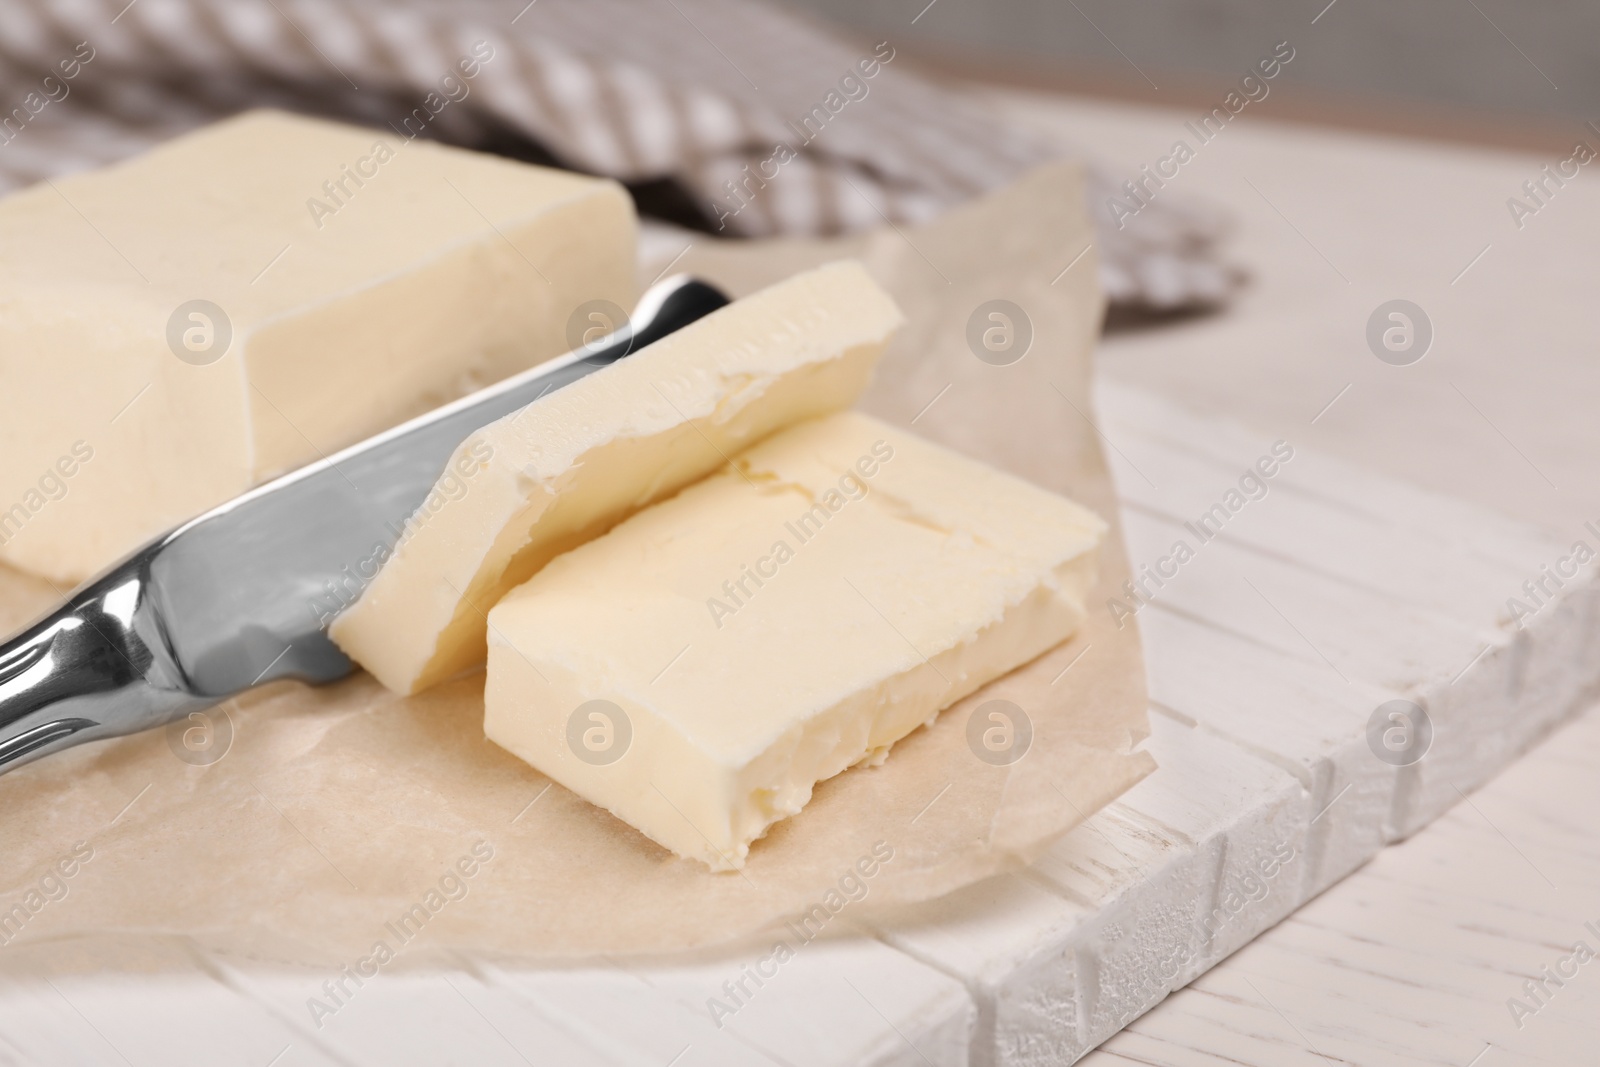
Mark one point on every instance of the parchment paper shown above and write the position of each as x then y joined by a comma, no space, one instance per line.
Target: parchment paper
337,813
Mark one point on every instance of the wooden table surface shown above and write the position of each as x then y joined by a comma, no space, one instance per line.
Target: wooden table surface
1330,225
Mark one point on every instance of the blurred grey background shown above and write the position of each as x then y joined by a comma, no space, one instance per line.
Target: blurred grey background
1495,71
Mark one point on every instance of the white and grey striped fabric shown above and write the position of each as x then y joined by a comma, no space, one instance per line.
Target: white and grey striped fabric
743,116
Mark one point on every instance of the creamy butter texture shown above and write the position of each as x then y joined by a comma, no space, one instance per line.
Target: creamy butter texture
573,463
701,667
186,317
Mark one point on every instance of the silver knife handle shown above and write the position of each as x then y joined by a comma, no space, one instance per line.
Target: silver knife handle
96,667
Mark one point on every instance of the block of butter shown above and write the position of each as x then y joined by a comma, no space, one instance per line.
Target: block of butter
697,670
574,463
179,327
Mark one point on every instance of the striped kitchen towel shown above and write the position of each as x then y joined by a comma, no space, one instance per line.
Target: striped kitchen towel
731,115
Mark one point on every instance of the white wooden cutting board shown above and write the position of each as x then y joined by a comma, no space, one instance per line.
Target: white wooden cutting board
1268,653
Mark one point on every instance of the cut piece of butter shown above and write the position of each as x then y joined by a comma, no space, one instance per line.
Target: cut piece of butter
242,299
572,464
700,668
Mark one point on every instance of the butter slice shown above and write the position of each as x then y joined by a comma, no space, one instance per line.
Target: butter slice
364,279
776,624
573,463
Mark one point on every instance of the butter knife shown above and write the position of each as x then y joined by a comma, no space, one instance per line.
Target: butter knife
237,597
